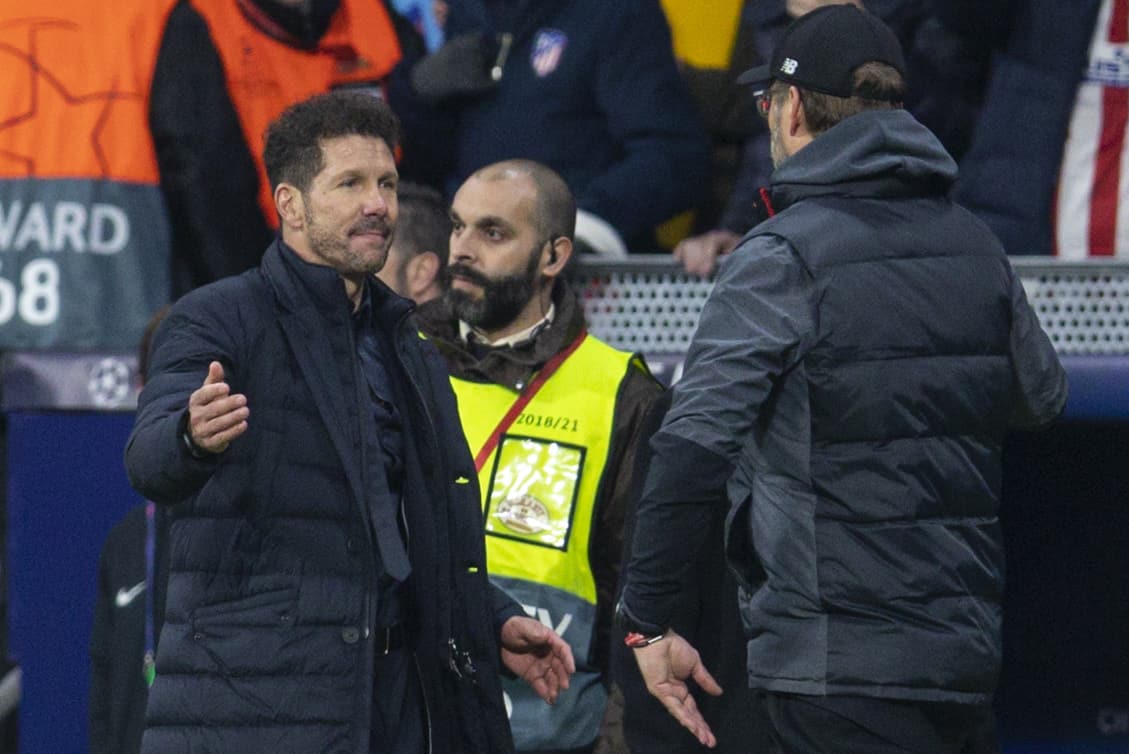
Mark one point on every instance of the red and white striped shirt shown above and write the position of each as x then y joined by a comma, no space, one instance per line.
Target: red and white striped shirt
1092,204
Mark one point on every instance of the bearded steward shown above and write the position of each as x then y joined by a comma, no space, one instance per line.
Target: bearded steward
553,416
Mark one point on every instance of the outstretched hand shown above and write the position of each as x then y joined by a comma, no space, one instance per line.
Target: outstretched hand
665,666
699,254
215,417
534,653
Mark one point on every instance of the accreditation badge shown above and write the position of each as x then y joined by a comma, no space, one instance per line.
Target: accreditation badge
532,492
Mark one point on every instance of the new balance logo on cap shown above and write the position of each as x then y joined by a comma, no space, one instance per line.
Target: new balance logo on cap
832,40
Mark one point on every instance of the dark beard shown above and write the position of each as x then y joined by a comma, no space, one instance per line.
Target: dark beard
329,246
502,298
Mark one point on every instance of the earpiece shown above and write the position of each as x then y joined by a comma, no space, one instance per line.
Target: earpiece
552,255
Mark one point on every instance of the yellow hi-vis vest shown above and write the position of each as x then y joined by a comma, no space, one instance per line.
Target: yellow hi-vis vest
539,490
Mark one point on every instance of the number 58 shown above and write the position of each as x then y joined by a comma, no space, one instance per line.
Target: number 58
38,298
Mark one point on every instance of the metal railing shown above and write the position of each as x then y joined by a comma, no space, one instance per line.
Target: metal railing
645,304
648,304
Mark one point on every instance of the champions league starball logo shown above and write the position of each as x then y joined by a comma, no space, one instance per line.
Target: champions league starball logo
108,382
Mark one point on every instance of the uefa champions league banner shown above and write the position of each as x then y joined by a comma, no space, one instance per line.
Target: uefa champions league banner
83,264
55,381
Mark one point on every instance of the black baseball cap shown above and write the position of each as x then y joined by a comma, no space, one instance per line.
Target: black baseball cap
820,50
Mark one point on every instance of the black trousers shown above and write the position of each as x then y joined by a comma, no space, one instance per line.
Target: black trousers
865,725
397,706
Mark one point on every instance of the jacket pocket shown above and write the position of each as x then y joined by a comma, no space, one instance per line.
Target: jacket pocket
740,553
272,608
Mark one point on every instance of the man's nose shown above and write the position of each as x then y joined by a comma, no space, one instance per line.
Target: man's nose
376,203
461,249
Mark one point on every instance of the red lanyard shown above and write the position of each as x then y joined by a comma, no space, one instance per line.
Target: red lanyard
525,397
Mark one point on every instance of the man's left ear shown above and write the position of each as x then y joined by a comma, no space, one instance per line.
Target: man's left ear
560,251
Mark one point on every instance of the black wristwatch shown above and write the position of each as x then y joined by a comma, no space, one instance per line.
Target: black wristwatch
639,633
190,445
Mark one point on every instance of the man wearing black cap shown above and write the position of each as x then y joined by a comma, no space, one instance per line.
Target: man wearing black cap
859,361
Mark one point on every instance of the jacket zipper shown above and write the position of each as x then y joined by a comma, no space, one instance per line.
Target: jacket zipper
418,394
413,380
407,530
446,578
368,619
426,704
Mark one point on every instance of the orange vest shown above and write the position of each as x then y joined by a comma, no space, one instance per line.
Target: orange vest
84,236
265,76
74,88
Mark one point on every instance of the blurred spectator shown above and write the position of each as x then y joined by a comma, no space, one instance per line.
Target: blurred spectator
225,70
1056,185
587,87
946,63
427,17
712,46
128,614
83,234
419,246
1093,185
440,8
127,621
128,142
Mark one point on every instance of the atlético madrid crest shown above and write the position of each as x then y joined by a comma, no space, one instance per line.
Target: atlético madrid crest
548,47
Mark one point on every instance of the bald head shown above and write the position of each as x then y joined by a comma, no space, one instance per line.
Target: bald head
555,208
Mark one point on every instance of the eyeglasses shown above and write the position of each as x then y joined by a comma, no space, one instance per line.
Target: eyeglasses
763,102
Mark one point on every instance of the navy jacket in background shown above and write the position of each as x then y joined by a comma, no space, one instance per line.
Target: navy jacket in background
268,643
118,690
613,116
1009,176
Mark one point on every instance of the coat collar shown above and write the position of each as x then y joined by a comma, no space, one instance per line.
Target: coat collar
298,284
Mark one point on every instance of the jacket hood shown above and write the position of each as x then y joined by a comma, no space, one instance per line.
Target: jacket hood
878,153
